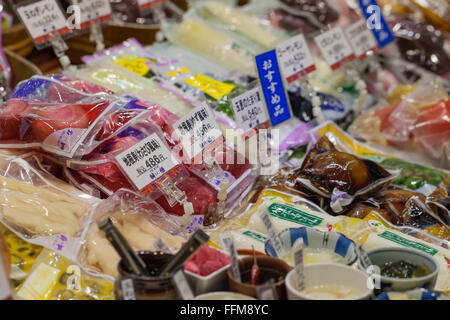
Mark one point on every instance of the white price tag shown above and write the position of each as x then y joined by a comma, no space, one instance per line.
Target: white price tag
128,289
364,257
299,264
182,285
43,18
273,236
198,132
249,110
146,162
93,11
361,39
335,47
227,243
295,59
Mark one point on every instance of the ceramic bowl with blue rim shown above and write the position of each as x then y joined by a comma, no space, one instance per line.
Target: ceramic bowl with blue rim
416,294
315,239
388,255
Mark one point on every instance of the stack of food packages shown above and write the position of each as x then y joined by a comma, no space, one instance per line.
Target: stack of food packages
62,139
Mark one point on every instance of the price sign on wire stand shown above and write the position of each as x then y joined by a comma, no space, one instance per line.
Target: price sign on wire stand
295,59
273,88
376,22
335,48
93,11
361,39
44,20
249,110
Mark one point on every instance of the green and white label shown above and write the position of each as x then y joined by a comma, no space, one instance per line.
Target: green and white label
257,236
408,243
291,214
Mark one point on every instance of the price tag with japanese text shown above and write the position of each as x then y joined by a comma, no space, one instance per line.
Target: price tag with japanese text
361,39
335,47
93,11
249,110
376,22
272,86
199,133
43,19
147,163
295,58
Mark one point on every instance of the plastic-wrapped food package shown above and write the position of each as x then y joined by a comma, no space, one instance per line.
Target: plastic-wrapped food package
411,175
47,113
338,177
22,255
54,277
225,16
419,120
211,44
128,11
421,44
41,209
437,12
141,221
405,211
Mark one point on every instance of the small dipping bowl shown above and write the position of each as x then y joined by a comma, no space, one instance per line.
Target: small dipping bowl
313,238
380,256
245,265
325,274
147,287
223,295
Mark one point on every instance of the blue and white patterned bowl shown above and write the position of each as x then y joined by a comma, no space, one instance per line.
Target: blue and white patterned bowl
313,238
416,294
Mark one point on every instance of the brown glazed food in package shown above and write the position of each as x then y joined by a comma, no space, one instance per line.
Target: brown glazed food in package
337,177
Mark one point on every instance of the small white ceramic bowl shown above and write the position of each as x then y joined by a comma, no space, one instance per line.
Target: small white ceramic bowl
325,274
223,295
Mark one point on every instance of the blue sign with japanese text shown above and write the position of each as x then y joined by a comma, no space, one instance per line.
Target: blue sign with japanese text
376,22
273,87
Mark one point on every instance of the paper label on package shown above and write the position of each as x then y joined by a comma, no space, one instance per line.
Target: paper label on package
182,285
147,163
295,58
128,292
227,243
335,47
211,87
361,39
41,18
408,243
273,236
249,110
93,11
199,133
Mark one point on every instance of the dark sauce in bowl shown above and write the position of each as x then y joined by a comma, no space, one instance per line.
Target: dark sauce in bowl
266,275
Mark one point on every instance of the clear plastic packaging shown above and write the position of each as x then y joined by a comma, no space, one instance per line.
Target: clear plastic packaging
141,221
47,113
338,178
